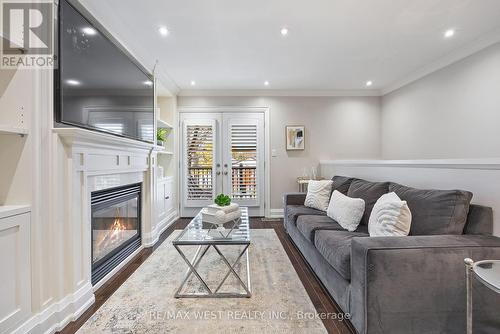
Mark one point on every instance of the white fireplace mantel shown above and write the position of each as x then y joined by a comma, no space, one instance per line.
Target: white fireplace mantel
94,139
95,161
76,162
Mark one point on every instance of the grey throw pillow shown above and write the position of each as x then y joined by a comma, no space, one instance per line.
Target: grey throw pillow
435,211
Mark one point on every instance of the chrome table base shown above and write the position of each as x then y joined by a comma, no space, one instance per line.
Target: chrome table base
209,293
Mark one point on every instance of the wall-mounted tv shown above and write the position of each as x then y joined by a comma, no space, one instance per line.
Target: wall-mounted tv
97,85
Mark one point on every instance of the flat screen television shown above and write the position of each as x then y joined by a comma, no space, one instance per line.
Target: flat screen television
97,85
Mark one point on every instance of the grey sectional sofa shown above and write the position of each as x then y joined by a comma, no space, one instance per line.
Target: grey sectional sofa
413,284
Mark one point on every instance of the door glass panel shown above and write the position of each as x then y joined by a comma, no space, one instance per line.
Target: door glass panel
244,161
199,142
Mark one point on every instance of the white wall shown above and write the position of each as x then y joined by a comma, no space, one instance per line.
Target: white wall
451,113
335,128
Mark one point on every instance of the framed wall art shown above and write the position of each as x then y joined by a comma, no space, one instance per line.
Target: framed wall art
295,137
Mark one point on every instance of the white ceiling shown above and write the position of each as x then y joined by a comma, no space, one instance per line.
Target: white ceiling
332,44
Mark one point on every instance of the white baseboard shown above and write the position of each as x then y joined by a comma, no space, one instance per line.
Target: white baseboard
56,316
276,213
149,239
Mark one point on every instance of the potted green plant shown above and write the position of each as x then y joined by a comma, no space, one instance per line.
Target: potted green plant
222,200
161,137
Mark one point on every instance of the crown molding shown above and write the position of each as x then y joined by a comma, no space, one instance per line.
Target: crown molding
277,92
454,56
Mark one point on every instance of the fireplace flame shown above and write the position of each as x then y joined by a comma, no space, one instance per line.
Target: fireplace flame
116,229
116,233
117,225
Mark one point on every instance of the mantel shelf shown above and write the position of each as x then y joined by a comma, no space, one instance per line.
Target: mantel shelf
163,125
10,130
77,136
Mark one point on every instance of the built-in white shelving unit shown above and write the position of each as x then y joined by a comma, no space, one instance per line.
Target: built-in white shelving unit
165,161
162,150
163,125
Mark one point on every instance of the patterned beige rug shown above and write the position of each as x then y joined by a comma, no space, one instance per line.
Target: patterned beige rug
145,303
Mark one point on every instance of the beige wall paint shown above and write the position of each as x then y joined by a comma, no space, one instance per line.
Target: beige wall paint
451,113
335,128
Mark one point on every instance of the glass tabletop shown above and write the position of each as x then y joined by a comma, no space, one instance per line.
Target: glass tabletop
488,272
199,233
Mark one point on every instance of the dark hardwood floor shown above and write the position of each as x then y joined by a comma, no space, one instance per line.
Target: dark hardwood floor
319,297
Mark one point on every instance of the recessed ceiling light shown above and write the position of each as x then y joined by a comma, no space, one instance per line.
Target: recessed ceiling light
284,31
89,31
148,83
449,33
369,83
73,82
193,82
163,31
266,83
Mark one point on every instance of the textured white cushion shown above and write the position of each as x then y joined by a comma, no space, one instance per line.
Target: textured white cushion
345,210
318,194
390,217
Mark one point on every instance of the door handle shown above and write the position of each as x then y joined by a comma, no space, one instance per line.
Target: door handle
167,197
225,173
218,173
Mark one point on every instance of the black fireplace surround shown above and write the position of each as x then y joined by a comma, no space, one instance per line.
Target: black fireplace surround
116,227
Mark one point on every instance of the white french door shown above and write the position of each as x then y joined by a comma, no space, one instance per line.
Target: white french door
222,153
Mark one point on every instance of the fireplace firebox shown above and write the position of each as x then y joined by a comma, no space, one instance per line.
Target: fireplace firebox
116,227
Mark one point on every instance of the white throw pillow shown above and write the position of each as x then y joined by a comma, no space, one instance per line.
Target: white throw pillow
318,194
345,210
390,217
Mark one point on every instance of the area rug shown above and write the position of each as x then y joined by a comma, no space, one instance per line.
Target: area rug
145,303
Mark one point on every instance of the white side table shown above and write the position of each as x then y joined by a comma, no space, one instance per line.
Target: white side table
488,273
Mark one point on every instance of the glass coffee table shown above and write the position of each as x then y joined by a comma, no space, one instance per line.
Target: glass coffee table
488,273
235,235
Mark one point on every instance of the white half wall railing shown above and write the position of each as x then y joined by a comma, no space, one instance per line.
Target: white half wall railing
479,176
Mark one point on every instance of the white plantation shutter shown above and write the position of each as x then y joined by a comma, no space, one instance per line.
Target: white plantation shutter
199,146
244,161
222,153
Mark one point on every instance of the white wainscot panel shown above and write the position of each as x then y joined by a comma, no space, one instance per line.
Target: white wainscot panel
479,176
15,286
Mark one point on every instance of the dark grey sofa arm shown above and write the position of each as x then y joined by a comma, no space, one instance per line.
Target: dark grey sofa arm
294,198
417,281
